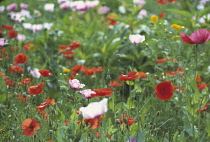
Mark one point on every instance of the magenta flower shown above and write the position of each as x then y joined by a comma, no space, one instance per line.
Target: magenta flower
136,39
94,109
12,7
75,84
198,37
87,93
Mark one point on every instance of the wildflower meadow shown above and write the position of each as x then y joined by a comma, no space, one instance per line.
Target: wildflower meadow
104,70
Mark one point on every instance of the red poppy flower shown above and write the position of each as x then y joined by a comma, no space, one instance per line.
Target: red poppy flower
114,84
142,74
107,135
29,126
102,92
9,82
125,118
198,37
91,71
202,86
16,69
197,78
35,90
74,45
25,81
160,60
45,73
28,46
23,99
130,76
1,73
66,122
94,123
7,27
12,34
76,69
162,14
161,2
20,58
164,90
63,47
205,108
44,105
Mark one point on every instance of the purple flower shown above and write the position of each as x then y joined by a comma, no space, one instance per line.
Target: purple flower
75,84
12,7
87,93
2,42
95,109
103,10
136,39
23,6
132,139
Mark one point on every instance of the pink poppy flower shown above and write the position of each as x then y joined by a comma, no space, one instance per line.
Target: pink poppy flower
87,93
75,84
12,7
136,39
198,37
23,6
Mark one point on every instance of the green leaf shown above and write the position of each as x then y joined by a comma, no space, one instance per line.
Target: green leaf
130,103
180,12
60,114
203,12
130,82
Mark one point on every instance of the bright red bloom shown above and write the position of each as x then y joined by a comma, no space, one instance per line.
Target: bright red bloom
45,73
29,126
114,84
204,108
66,122
76,69
44,105
7,27
130,76
94,123
197,78
35,90
16,69
25,81
9,82
91,71
1,73
12,34
164,90
198,37
102,92
202,86
142,74
63,47
161,2
74,45
28,46
129,120
20,58
162,14
160,60
23,99
112,22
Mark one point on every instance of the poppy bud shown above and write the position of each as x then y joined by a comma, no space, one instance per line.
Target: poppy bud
83,99
158,113
51,34
63,88
117,122
51,131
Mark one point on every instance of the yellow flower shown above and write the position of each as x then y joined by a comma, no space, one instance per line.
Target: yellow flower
154,19
176,27
173,37
66,70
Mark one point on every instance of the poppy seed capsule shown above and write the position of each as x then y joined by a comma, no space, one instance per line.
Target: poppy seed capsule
117,121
